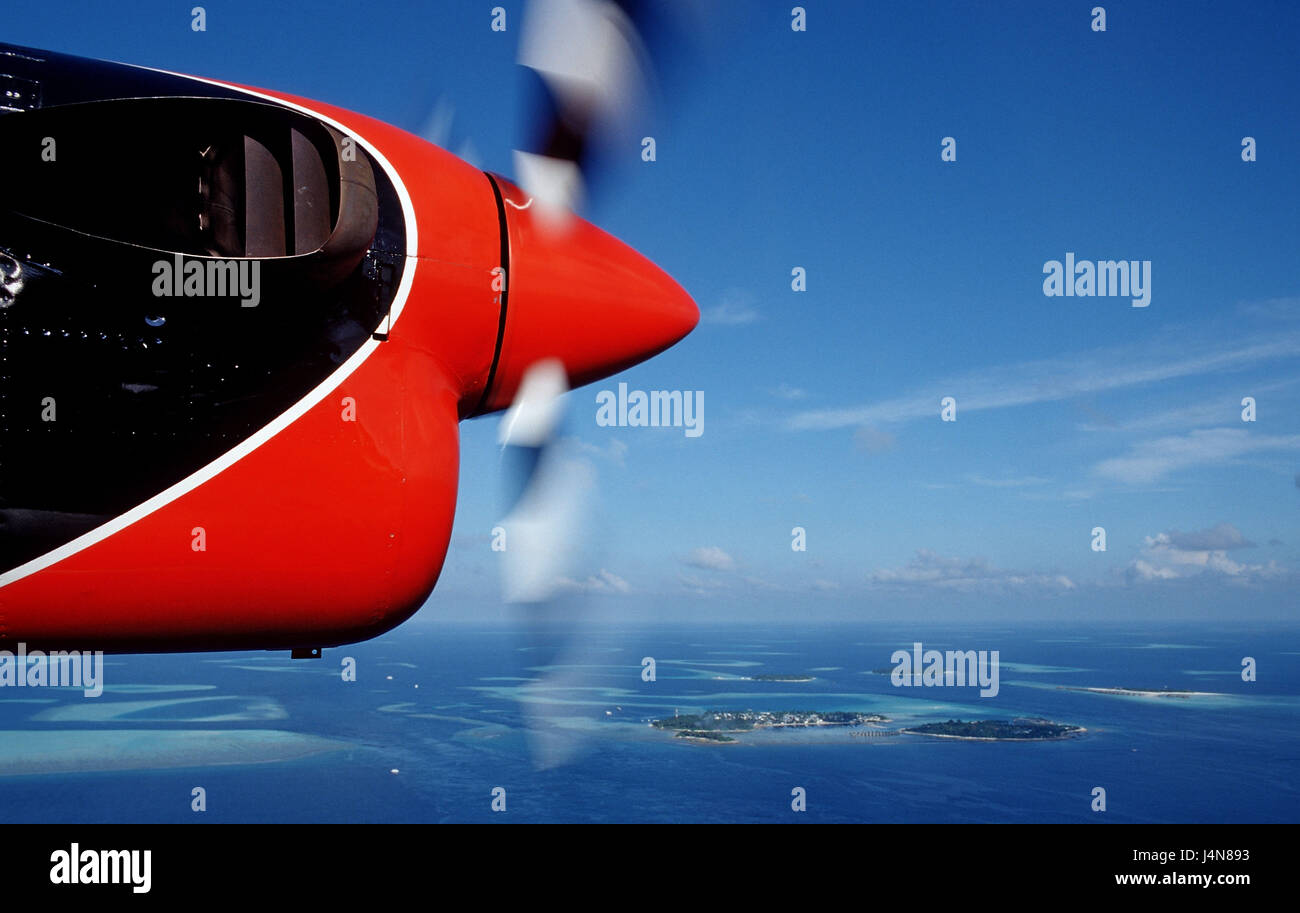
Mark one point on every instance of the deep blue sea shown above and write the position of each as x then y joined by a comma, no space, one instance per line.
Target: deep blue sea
440,717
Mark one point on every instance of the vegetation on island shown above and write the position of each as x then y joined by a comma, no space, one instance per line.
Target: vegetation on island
781,677
718,721
1017,730
703,735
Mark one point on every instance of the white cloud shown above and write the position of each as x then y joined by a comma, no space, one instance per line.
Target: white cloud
1158,417
712,558
1060,378
1220,537
1008,481
735,309
1272,308
928,568
1175,555
615,451
1150,461
603,583
786,391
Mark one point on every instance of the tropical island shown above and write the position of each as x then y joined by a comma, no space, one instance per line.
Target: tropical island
703,735
1140,692
781,677
712,725
1017,730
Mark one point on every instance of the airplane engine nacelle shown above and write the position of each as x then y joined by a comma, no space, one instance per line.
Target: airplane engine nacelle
238,330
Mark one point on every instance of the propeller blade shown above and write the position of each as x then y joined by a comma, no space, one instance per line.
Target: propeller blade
548,487
593,69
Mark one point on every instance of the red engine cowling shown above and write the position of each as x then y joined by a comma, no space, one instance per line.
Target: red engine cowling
325,521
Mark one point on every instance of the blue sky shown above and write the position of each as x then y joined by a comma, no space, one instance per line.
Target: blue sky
821,150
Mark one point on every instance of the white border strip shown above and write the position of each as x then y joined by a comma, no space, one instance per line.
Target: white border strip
280,422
